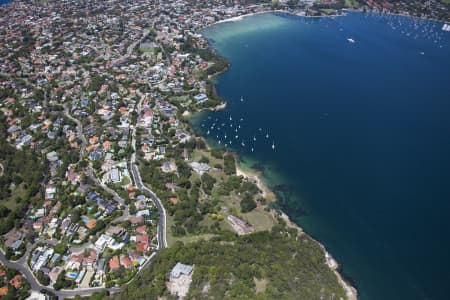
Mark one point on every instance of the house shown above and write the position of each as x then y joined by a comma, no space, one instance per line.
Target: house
181,269
102,242
126,262
52,156
114,263
200,98
115,176
142,247
199,168
141,229
91,223
16,282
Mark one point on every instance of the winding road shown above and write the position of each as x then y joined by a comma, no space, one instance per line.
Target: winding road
21,264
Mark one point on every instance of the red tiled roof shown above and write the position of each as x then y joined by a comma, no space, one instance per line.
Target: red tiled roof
114,263
141,229
3,291
126,262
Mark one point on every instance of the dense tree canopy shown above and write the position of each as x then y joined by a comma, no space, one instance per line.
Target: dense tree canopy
229,268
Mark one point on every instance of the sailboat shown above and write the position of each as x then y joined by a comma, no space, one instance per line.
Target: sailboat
267,136
242,99
273,145
254,138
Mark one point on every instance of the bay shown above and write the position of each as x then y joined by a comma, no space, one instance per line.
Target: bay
361,135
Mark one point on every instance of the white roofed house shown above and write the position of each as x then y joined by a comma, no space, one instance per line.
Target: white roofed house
115,175
180,280
181,269
199,168
200,98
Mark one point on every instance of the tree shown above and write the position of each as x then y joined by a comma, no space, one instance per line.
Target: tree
217,153
247,204
229,164
60,248
42,278
75,216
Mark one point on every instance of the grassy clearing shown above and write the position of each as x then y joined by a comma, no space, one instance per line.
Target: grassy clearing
185,239
260,219
194,238
11,202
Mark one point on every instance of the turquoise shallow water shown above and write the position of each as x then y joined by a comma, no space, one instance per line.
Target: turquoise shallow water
361,133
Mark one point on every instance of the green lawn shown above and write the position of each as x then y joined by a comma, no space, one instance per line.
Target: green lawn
11,202
185,239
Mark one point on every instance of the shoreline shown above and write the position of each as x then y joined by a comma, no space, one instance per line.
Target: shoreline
351,291
257,178
242,17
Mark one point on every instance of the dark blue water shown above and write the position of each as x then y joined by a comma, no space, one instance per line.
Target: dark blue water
361,133
5,1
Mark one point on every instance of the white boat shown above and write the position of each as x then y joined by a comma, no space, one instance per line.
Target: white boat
350,40
273,145
242,99
267,136
254,138
253,150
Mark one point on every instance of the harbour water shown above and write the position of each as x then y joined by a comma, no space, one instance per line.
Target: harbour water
361,136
